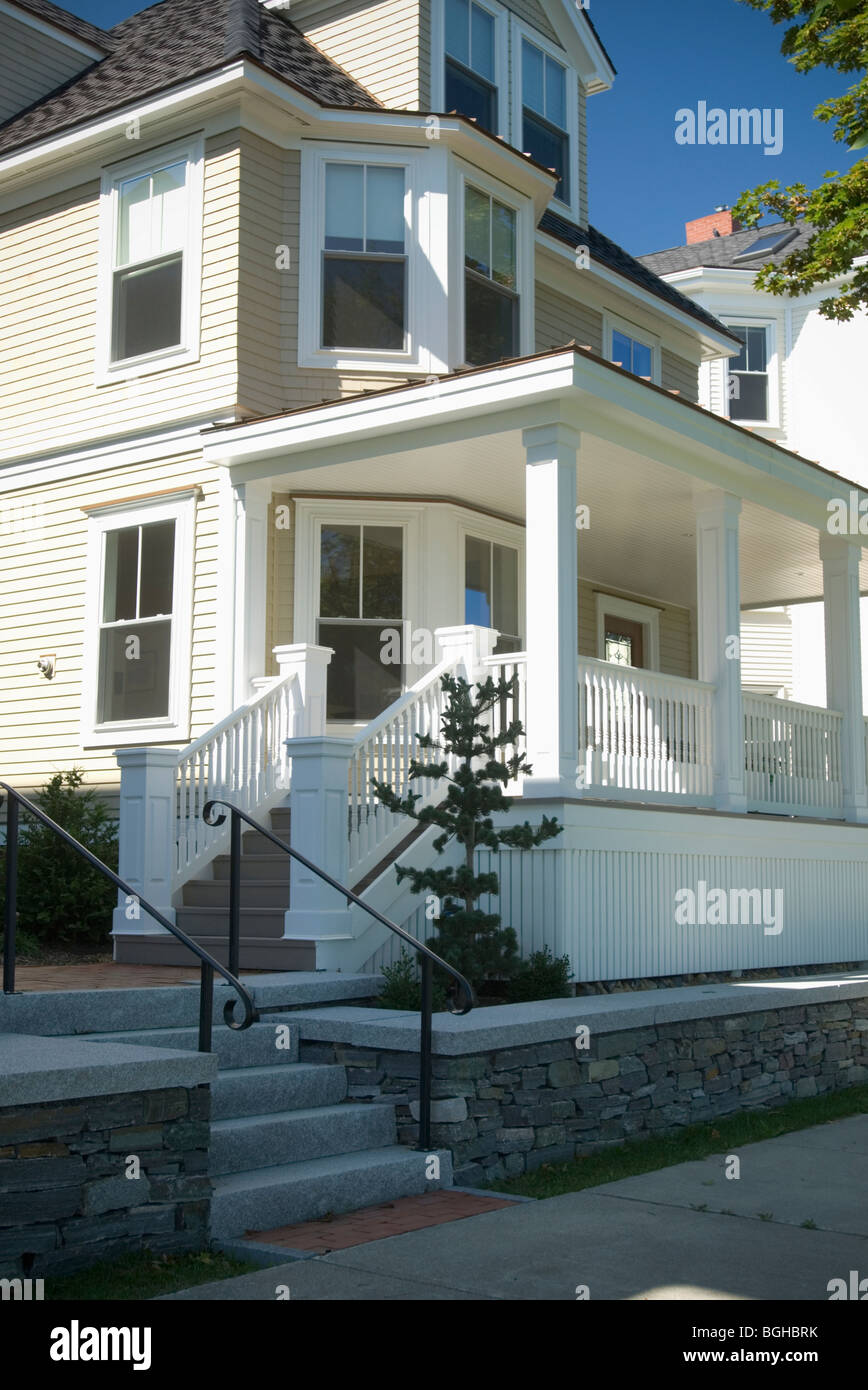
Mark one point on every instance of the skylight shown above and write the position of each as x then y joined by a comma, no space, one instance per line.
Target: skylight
767,245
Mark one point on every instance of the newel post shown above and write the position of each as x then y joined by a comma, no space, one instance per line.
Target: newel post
147,836
310,663
320,831
469,645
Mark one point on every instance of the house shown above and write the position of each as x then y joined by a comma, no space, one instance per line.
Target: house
797,380
318,382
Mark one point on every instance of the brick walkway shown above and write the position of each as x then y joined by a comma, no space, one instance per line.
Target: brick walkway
101,975
376,1223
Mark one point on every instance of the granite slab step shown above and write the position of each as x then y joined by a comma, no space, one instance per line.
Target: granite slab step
271,1089
262,1141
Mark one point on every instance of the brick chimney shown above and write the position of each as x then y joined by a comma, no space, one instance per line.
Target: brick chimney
704,228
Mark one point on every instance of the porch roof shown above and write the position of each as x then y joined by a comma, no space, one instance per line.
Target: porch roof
459,439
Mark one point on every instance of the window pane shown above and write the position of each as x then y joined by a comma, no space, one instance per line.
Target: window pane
121,574
158,569
556,94
491,328
641,359
482,42
503,244
134,220
385,209
739,362
168,209
458,30
363,304
382,572
505,564
756,349
359,683
622,350
134,676
532,90
750,402
550,149
147,310
345,207
340,556
472,96
477,231
477,582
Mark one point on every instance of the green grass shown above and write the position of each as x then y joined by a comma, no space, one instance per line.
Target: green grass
145,1275
694,1141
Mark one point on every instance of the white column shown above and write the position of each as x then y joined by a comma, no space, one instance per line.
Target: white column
320,831
844,664
146,836
310,663
718,602
551,610
251,582
469,645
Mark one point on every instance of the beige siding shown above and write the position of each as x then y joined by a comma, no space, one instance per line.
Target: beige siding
559,319
48,310
531,11
676,642
378,44
281,579
767,651
42,611
677,374
425,55
31,65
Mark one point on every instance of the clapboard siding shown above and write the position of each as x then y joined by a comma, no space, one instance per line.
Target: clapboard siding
677,374
48,302
559,320
676,641
378,44
767,651
42,610
32,65
532,13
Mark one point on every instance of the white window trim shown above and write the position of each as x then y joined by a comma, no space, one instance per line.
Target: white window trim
424,235
193,151
773,369
496,532
635,613
524,258
501,60
518,31
613,324
180,508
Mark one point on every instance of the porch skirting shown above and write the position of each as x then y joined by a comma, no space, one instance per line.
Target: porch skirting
633,892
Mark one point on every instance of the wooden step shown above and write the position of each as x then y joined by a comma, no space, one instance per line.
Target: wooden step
255,893
257,953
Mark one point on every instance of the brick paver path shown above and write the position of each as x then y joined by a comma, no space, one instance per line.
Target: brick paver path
376,1223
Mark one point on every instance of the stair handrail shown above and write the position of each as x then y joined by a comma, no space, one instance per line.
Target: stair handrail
429,957
208,963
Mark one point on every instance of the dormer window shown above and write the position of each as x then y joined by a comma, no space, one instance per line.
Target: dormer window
470,83
491,301
544,113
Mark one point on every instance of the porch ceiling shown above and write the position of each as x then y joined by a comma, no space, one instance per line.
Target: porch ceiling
641,536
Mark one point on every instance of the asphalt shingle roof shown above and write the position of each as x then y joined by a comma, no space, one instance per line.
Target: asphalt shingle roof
603,249
173,42
721,252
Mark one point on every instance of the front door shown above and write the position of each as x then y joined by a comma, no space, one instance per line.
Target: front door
624,641
361,604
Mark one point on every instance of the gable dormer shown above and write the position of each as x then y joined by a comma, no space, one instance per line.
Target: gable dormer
41,48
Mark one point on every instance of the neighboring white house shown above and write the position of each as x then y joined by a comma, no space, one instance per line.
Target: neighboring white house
800,380
316,383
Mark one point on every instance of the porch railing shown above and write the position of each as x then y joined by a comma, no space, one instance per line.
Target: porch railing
642,731
383,753
509,666
242,758
792,756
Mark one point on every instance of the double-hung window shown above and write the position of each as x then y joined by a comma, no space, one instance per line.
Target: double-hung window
748,382
364,258
491,299
361,601
470,79
151,254
545,124
137,676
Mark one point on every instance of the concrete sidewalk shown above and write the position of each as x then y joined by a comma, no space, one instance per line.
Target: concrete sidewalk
686,1232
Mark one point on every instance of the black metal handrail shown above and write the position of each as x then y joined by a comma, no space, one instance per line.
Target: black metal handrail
208,963
428,961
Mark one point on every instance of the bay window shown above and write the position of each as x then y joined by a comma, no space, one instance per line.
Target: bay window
364,260
491,300
491,590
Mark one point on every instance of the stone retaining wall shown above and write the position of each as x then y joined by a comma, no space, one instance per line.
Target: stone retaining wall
65,1198
509,1111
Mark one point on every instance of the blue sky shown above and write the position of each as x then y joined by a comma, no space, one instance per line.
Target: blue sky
672,54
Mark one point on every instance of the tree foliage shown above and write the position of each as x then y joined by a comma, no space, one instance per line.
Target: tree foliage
831,34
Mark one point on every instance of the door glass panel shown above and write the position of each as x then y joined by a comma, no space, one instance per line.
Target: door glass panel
340,569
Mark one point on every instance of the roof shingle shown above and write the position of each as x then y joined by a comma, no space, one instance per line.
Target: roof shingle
719,253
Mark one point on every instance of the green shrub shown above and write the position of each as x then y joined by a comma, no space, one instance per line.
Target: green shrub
61,899
541,976
403,990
